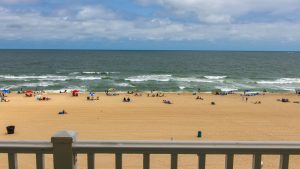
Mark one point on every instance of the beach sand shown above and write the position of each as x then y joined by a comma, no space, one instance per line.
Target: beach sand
147,118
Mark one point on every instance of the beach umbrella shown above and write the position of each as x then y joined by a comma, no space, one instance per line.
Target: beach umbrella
5,91
75,91
28,91
112,89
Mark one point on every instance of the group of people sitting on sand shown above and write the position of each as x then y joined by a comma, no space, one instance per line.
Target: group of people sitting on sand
108,93
63,91
138,94
199,98
41,95
135,93
167,102
284,100
92,96
126,100
42,98
156,95
2,97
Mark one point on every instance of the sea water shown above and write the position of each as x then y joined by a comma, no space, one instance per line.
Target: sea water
98,70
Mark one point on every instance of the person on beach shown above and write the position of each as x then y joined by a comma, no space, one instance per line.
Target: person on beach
62,112
199,98
2,98
167,102
246,99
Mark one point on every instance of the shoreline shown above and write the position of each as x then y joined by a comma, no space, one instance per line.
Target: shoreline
166,92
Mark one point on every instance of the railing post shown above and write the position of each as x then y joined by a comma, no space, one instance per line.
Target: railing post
63,155
256,161
12,161
201,161
40,161
229,161
91,160
174,161
146,161
118,160
284,161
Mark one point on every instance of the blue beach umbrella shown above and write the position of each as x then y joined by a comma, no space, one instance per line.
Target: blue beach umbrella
5,91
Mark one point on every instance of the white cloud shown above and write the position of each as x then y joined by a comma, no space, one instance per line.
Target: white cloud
16,1
96,22
226,11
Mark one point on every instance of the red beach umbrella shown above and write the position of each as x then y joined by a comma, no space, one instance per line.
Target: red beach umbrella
75,91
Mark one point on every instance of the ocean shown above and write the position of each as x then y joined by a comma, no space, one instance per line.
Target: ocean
170,71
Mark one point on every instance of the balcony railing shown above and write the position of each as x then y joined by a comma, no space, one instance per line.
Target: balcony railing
65,148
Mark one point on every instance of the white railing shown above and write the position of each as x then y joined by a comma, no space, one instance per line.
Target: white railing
65,148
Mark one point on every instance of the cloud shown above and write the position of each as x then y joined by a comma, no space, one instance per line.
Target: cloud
226,11
16,1
97,22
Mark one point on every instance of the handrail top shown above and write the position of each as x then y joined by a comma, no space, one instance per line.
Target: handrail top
27,143
158,144
188,144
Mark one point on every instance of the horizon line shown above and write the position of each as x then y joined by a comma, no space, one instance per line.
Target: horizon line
195,50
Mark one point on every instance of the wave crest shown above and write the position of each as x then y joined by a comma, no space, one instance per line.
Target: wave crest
215,77
281,81
141,78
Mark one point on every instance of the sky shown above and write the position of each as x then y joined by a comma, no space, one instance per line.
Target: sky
150,24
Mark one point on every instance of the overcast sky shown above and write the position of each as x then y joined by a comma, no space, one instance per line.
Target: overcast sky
151,24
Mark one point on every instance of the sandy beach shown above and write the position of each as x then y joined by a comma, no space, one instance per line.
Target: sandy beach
147,118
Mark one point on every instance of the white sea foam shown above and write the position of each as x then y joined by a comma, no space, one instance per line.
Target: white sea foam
32,77
281,81
91,72
9,87
48,77
287,88
98,73
124,85
68,89
38,84
226,89
141,78
181,87
192,79
88,77
215,77
166,78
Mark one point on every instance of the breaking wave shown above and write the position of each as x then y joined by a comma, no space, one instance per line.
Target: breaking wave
281,81
166,78
88,77
32,77
141,78
215,77
47,77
